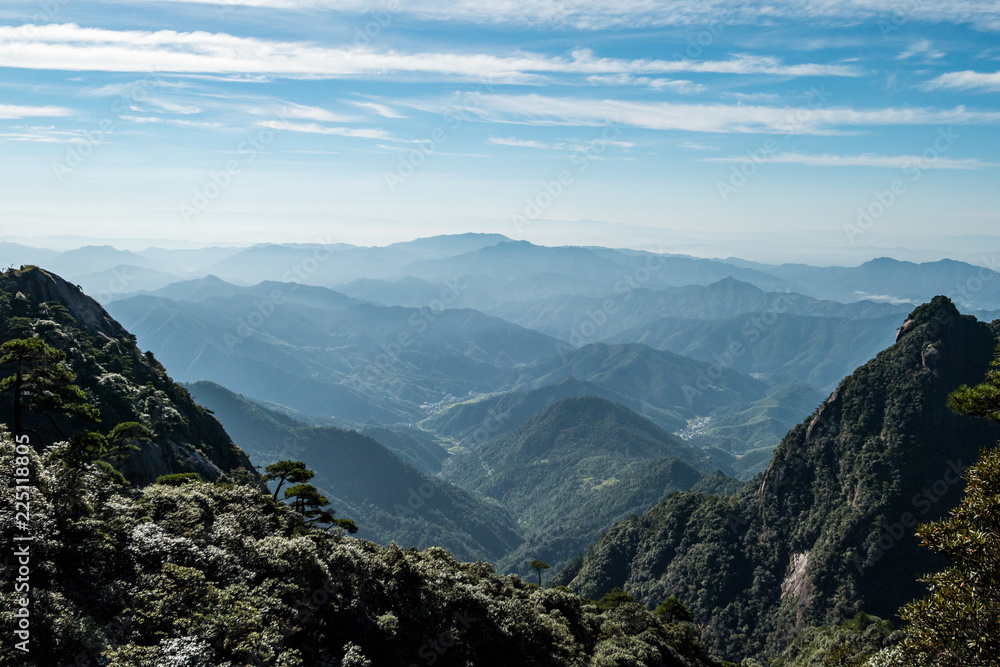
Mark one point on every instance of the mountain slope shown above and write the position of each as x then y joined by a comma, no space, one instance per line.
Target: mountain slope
124,384
572,470
219,574
564,316
886,278
659,384
390,500
323,353
828,530
776,347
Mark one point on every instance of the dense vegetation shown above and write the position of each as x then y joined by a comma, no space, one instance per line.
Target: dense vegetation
187,572
827,530
118,383
220,574
391,500
572,470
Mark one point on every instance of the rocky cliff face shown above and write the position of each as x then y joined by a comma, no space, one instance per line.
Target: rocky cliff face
828,529
124,383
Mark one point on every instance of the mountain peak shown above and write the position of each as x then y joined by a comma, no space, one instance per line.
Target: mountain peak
40,286
940,312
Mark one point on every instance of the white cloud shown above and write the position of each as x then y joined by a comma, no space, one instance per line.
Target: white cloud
127,89
170,121
922,48
315,128
682,86
521,143
866,160
380,109
575,146
600,14
752,97
967,80
573,111
171,107
302,112
70,47
695,146
9,111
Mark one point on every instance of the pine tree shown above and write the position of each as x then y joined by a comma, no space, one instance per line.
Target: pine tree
958,622
41,382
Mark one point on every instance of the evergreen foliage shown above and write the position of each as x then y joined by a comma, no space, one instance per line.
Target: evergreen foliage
219,574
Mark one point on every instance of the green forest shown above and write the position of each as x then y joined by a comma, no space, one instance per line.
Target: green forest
136,532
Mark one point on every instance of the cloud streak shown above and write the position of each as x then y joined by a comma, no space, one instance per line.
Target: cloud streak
600,14
13,111
866,160
967,80
723,118
69,47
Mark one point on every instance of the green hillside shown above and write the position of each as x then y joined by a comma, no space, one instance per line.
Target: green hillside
827,531
390,500
572,470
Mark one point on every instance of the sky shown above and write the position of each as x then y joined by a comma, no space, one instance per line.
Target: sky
809,130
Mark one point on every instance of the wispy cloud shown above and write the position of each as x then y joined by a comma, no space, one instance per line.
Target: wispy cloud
520,143
866,160
575,145
682,86
315,128
600,14
170,121
380,109
72,48
45,135
293,111
575,111
695,146
967,80
9,111
922,48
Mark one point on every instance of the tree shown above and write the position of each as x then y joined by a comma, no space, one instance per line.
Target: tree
287,471
314,506
539,566
121,441
671,610
958,622
310,503
41,382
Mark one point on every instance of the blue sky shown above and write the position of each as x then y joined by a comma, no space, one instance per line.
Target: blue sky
795,131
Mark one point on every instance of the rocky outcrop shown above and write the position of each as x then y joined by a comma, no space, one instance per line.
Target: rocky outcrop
124,383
